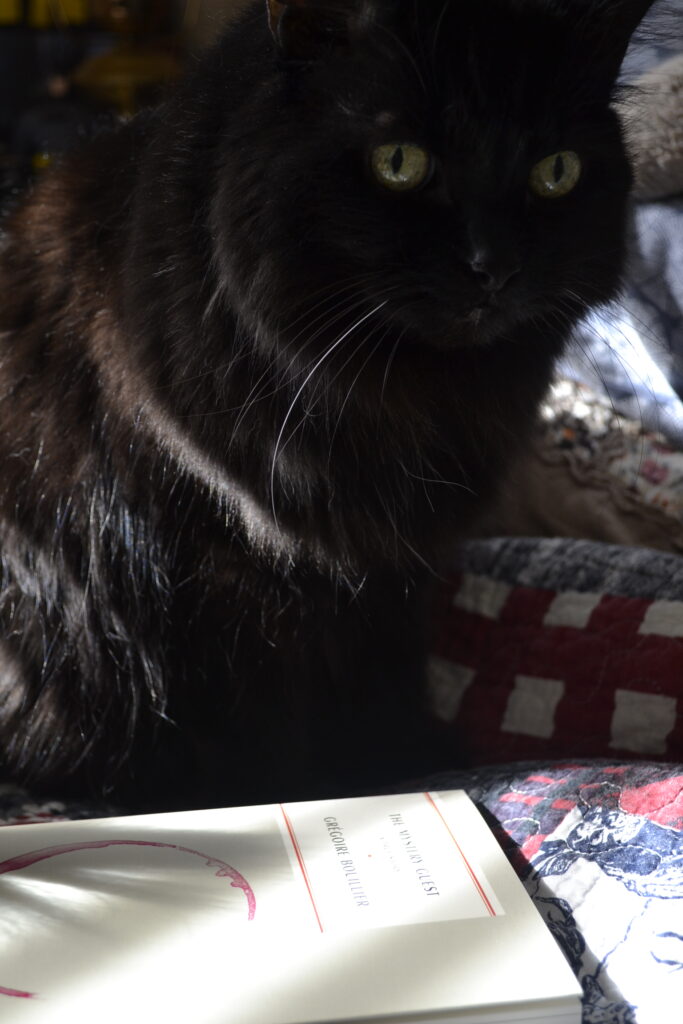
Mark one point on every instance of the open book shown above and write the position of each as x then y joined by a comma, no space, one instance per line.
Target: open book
395,908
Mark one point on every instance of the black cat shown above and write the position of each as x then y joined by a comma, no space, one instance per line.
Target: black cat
266,352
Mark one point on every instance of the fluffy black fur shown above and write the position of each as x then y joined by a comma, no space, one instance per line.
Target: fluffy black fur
248,396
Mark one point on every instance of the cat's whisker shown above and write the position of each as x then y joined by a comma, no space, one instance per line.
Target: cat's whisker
328,383
437,30
277,450
407,54
628,369
335,291
212,372
284,384
345,311
644,327
226,367
416,554
588,355
324,386
383,294
615,328
345,307
435,480
549,319
257,393
353,383
387,370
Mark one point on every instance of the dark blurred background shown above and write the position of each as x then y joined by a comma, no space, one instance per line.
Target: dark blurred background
68,67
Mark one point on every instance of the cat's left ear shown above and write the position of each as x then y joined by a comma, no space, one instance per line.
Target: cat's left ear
303,29
606,27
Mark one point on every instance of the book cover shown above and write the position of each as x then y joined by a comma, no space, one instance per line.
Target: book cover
399,907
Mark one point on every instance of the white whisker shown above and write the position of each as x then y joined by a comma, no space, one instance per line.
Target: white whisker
277,449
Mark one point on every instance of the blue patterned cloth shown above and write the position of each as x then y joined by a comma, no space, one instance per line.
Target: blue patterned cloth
599,847
633,350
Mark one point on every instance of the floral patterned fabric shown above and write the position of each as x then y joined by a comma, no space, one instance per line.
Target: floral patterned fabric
583,428
632,350
599,847
17,807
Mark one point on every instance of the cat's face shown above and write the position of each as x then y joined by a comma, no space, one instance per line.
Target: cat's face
440,171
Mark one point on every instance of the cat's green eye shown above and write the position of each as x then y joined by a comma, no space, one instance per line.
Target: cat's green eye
401,166
556,176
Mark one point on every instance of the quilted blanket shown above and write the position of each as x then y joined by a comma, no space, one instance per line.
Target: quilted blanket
600,850
633,350
556,648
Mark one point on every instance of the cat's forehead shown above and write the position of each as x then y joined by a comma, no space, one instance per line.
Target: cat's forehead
495,80
468,54
395,90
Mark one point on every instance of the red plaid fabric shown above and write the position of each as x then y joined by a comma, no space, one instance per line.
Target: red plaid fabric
527,673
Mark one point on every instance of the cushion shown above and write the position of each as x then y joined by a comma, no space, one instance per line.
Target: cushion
552,648
653,118
594,475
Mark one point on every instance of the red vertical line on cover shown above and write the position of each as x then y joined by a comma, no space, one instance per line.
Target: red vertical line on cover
302,864
470,870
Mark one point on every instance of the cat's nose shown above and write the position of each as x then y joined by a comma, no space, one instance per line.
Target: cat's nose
493,274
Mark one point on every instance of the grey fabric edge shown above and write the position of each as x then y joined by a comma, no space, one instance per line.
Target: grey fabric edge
577,565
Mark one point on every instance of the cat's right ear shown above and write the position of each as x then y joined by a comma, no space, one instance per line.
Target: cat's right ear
606,28
303,29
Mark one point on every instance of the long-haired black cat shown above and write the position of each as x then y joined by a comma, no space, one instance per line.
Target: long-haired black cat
266,352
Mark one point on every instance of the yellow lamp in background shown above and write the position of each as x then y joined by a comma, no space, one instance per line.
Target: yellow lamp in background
39,161
144,58
126,76
45,13
10,12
